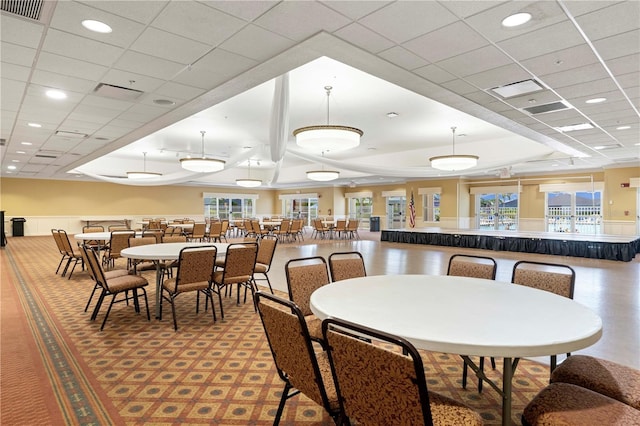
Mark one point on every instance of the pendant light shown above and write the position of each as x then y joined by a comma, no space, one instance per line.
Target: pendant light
327,137
453,162
143,174
248,182
202,164
323,175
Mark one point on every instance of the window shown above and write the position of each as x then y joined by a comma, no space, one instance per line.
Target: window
229,206
497,211
301,208
579,212
431,207
360,208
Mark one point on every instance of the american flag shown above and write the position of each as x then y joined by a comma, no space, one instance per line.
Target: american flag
412,212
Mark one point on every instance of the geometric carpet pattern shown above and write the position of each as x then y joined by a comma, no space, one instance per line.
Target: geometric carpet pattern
139,372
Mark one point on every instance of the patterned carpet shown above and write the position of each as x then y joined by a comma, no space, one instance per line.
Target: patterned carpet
139,372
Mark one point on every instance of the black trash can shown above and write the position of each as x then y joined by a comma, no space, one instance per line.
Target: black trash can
374,223
17,225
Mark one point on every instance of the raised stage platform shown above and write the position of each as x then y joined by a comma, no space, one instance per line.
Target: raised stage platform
610,247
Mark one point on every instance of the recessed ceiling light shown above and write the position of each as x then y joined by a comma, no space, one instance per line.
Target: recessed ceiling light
595,100
516,19
554,165
20,152
599,147
392,114
36,125
26,143
11,167
96,26
573,127
15,161
56,94
623,128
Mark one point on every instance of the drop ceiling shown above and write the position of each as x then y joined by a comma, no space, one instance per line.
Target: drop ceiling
172,69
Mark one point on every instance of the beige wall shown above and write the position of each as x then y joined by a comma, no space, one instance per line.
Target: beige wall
620,203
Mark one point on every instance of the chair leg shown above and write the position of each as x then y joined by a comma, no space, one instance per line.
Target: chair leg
209,296
554,362
94,314
283,399
146,303
173,312
108,310
465,367
95,287
481,366
136,304
60,264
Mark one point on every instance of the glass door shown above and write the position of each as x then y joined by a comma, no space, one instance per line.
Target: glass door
497,212
395,212
578,212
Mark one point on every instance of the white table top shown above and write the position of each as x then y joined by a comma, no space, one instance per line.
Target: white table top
166,251
98,236
181,225
466,316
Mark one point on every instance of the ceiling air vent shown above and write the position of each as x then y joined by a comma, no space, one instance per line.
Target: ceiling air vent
543,109
3,142
517,89
27,8
74,135
117,92
45,156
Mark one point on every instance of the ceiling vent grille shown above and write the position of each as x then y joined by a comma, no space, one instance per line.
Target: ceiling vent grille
117,92
45,156
546,108
74,135
27,8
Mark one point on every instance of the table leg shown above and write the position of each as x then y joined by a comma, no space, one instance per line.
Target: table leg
158,288
507,377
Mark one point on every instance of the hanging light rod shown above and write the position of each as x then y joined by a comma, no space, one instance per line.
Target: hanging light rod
202,164
323,175
453,162
327,137
143,174
248,182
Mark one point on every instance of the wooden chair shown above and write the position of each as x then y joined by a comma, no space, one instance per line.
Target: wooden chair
551,277
266,250
300,367
345,265
385,386
114,286
304,276
195,273
239,263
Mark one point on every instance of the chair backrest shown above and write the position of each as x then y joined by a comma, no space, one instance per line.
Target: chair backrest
240,260
94,228
215,229
296,226
353,224
195,265
304,276
285,226
293,353
58,240
142,241
64,240
198,230
173,230
341,225
225,227
462,265
174,239
119,241
155,233
365,372
96,272
267,249
345,265
255,227
118,228
552,277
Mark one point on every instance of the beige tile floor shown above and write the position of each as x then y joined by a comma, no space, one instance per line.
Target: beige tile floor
610,288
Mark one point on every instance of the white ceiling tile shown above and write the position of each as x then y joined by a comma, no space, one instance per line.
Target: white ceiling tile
80,126
256,43
14,72
434,74
198,22
566,78
460,87
246,10
178,91
94,114
145,112
103,102
578,8
624,64
482,98
213,69
587,88
84,49
140,11
478,60
446,42
71,67
300,20
355,9
61,81
19,31
11,89
131,80
18,55
620,45
403,58
57,144
68,17
538,98
497,106
465,8
402,21
148,65
500,76
114,129
364,38
169,46
615,19
543,41
561,60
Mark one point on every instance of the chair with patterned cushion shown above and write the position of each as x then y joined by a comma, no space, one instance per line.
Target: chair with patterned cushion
239,263
551,277
463,265
266,250
195,273
156,233
352,229
283,232
114,286
72,256
608,378
215,232
173,230
60,247
107,274
304,276
340,230
198,232
140,264
570,405
301,368
119,241
296,229
385,385
224,230
345,265
96,244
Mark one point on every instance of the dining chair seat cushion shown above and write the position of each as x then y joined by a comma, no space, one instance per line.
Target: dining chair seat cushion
170,286
447,411
115,273
604,377
217,277
567,404
126,282
260,268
